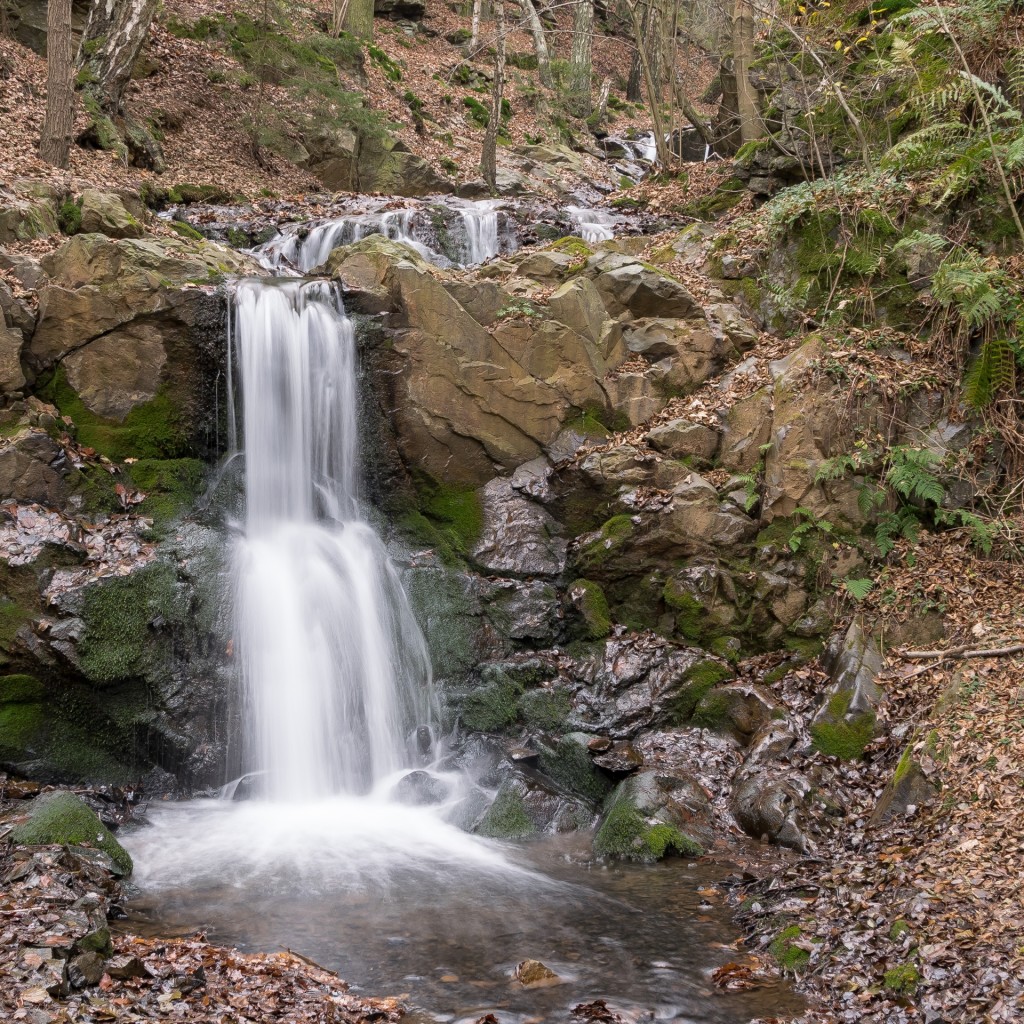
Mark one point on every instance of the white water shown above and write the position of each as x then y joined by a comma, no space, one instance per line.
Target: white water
335,671
593,225
302,248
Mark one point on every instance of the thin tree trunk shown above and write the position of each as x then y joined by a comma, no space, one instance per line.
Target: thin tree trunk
113,36
540,42
474,39
489,154
601,112
582,47
751,126
653,91
55,139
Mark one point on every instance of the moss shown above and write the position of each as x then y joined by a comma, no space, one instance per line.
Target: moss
839,737
728,647
902,979
506,818
63,818
477,111
457,512
569,765
898,930
492,707
610,540
903,766
572,245
184,193
23,729
70,216
790,957
625,834
721,200
151,430
13,615
118,642
803,649
545,709
170,486
185,230
691,617
712,712
697,682
21,689
593,607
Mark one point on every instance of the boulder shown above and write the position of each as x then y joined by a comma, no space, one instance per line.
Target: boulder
846,721
138,328
518,536
683,439
28,209
414,10
15,313
636,396
546,266
652,813
105,213
769,804
11,376
64,819
747,429
578,305
628,287
910,788
33,468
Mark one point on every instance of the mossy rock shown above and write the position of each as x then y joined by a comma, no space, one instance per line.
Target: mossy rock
790,956
506,818
492,707
545,709
569,764
572,245
625,834
170,485
592,605
697,683
119,641
62,818
840,735
455,513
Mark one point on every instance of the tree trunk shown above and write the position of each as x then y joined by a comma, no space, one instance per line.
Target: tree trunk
601,112
339,12
474,38
489,154
582,46
648,31
751,126
540,42
113,36
653,86
358,19
55,139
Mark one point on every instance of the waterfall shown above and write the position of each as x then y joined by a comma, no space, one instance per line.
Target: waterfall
336,673
303,248
593,225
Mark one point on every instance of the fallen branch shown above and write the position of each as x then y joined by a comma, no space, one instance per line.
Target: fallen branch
963,652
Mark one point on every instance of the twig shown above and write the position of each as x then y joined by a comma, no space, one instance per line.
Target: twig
963,652
311,962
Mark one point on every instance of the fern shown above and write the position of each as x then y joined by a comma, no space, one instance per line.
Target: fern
894,525
910,475
994,370
858,589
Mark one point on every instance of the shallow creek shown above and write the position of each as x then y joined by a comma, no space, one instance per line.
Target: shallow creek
399,902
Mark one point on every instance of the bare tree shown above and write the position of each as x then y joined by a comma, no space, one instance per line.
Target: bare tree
489,154
651,81
751,126
474,37
355,16
55,139
540,42
339,11
581,62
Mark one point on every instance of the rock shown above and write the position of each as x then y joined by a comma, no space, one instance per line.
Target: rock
28,209
15,313
652,813
33,468
682,439
739,707
62,818
620,759
534,974
578,305
728,320
589,601
636,396
105,213
140,345
846,722
527,803
124,967
747,428
518,536
414,10
768,805
909,789
522,610
11,376
85,969
546,266
419,789
629,287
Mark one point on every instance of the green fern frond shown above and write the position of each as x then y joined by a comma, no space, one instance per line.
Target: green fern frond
910,475
993,371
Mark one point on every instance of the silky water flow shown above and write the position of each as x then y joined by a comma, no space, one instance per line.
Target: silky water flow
338,708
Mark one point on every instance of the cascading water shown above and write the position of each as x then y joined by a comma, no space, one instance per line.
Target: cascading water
476,236
593,225
335,670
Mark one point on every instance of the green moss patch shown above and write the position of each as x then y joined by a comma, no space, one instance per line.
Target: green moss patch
506,818
839,737
170,486
545,709
569,765
151,430
627,835
593,608
902,979
62,818
696,684
492,707
790,957
119,642
572,245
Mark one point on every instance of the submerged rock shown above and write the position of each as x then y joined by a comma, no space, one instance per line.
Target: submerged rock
534,974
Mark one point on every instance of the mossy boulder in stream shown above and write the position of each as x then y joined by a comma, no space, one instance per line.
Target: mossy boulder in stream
65,819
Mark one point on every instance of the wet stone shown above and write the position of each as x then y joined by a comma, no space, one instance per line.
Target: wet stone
86,969
534,974
420,789
620,759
